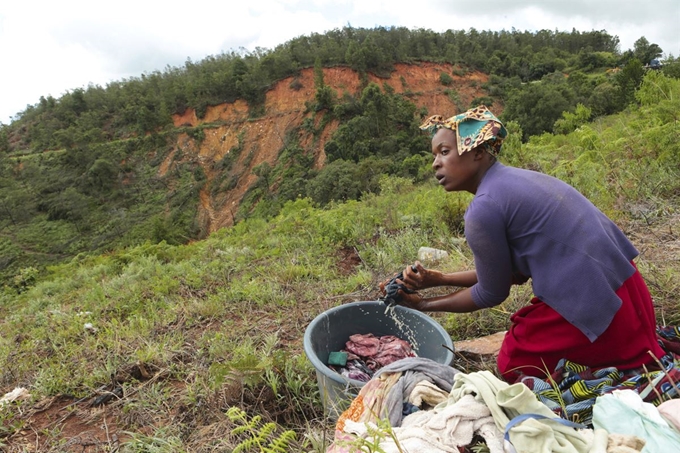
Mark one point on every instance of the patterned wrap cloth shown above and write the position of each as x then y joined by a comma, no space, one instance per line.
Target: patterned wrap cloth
572,389
477,126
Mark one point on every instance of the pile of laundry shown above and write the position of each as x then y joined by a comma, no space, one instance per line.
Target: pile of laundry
417,405
364,354
456,411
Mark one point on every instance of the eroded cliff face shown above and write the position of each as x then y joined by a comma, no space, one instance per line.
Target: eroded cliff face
227,127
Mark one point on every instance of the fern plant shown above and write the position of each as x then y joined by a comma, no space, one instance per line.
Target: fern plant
256,435
370,442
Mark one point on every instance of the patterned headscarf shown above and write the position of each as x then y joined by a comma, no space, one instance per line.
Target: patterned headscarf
475,127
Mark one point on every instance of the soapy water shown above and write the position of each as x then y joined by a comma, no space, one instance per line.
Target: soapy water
405,329
406,332
392,299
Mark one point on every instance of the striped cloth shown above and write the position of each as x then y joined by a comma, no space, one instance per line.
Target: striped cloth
572,389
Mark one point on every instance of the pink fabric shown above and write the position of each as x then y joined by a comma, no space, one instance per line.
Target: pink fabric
363,345
670,410
378,351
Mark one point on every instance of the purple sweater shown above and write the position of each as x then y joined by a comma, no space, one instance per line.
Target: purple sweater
528,223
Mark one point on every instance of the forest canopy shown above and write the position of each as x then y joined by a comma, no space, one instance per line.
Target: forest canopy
145,103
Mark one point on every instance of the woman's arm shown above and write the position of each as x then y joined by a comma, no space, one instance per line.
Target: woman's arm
456,302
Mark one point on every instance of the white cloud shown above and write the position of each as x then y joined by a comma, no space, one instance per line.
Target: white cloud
50,47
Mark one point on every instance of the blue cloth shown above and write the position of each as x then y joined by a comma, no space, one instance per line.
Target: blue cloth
630,417
528,223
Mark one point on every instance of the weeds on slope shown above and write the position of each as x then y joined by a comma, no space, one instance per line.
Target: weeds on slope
149,348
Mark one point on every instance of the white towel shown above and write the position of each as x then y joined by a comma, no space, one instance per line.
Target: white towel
426,392
440,430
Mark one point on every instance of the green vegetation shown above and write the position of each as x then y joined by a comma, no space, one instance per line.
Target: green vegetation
140,105
205,339
93,198
100,168
108,300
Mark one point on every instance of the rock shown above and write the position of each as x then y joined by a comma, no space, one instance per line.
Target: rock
431,254
19,393
484,346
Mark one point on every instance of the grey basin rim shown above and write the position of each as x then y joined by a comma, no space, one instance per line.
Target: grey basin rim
337,377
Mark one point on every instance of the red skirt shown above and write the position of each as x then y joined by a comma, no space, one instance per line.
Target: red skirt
539,337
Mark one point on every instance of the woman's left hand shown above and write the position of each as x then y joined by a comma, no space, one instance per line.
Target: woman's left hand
416,277
412,300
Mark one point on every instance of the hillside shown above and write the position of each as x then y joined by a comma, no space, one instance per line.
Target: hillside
152,347
191,178
175,155
286,106
166,240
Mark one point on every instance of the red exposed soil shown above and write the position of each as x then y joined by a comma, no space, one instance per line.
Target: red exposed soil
82,428
285,109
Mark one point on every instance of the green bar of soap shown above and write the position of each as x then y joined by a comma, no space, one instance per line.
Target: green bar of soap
337,358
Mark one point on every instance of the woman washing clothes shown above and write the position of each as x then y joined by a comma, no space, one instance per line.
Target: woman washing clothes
590,305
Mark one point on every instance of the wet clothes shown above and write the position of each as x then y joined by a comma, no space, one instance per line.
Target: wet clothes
525,223
355,369
623,411
379,351
392,296
539,337
368,353
384,395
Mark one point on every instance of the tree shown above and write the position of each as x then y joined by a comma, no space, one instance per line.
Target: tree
355,57
11,206
102,174
4,139
629,79
645,51
538,105
671,67
336,181
69,205
571,121
605,99
325,95
263,171
16,203
581,84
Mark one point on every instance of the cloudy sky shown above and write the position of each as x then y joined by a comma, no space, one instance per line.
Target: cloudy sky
49,47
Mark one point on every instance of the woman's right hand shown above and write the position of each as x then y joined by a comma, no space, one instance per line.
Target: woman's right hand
418,277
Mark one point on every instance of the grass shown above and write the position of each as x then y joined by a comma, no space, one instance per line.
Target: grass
206,339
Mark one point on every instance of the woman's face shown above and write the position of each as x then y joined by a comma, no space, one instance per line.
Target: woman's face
453,171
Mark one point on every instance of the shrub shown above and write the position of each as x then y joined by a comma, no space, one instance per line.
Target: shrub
445,79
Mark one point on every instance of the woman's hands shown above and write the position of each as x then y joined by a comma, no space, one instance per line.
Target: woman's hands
416,277
412,300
